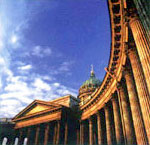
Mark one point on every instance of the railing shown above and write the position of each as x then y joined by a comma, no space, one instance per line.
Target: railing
16,141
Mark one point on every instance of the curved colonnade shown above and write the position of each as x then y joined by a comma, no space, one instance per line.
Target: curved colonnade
119,111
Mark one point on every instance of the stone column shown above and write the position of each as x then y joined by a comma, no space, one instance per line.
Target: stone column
142,90
28,134
58,132
55,134
46,134
127,118
20,135
142,44
90,131
109,133
66,133
117,121
140,133
78,138
37,135
81,133
99,129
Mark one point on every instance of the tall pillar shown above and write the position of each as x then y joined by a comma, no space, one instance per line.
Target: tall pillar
55,133
117,121
99,129
81,133
66,133
142,44
37,135
20,135
142,90
28,134
78,138
58,132
140,133
109,133
46,134
90,131
127,118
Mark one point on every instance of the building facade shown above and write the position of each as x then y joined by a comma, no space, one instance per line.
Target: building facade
114,111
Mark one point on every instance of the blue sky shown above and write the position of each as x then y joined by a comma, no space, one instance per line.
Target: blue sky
47,48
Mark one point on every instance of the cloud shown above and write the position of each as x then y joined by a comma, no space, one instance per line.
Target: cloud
18,89
41,51
22,90
39,84
26,67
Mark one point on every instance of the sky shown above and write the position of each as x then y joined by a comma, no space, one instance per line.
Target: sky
47,48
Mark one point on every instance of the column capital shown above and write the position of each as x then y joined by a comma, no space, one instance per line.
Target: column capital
90,119
106,106
126,71
130,15
114,98
119,86
129,48
97,113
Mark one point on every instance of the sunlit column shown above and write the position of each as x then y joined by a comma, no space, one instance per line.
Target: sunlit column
99,129
142,90
109,133
46,134
127,118
117,121
90,131
37,135
135,109
142,44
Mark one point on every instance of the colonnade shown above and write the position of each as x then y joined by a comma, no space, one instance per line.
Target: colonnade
127,113
48,133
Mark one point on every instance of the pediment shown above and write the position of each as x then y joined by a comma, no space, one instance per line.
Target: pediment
35,107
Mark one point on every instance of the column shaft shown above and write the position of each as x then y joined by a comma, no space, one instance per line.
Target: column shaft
90,132
66,133
143,94
58,133
55,134
109,133
127,118
99,129
78,138
143,47
141,137
46,134
81,133
117,121
28,134
37,135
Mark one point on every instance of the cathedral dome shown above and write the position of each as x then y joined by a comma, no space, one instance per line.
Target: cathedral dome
90,85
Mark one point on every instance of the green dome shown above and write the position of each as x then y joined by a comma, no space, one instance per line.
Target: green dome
92,81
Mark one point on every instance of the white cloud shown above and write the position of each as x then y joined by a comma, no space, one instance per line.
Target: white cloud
14,39
25,67
18,90
65,67
41,85
41,51
18,94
